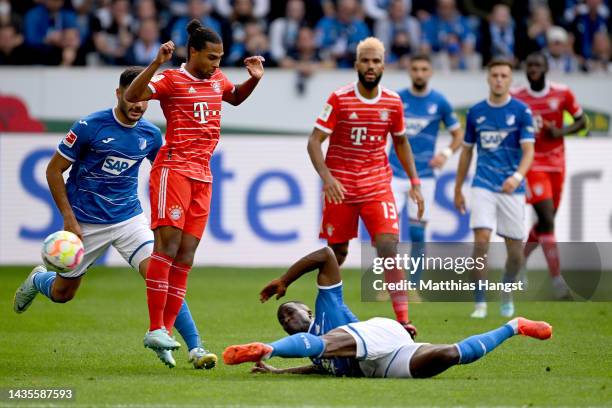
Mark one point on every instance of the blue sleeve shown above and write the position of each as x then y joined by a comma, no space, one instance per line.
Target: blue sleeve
448,116
70,19
76,140
527,130
470,130
158,143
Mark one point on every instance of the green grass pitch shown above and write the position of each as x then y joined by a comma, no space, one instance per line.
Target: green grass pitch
94,345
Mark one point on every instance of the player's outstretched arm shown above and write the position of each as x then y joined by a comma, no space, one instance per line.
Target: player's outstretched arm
139,88
332,188
256,70
406,158
262,367
323,259
56,167
464,164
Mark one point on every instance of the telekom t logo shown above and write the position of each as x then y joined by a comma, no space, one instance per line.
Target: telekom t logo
358,134
200,110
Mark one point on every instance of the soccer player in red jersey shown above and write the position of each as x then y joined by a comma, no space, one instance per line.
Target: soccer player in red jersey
181,179
356,173
548,101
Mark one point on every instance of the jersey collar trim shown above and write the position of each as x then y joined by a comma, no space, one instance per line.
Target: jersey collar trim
185,72
366,100
423,94
499,105
539,94
120,122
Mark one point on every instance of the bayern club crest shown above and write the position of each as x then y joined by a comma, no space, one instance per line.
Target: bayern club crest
216,86
554,104
384,114
176,212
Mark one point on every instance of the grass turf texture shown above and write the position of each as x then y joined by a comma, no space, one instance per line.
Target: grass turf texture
94,345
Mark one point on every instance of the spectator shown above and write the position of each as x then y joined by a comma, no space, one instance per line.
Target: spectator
600,59
575,8
284,30
145,10
260,8
586,24
112,36
12,48
559,53
539,24
85,21
255,43
242,15
144,50
199,10
179,8
498,37
338,36
399,32
9,16
448,34
378,9
51,31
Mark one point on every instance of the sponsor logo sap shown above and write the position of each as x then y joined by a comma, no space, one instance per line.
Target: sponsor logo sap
116,165
491,139
414,126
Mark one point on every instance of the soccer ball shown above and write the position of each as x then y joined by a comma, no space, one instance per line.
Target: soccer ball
62,251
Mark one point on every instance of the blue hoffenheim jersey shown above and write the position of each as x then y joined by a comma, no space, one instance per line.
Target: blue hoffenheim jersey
423,115
330,313
103,183
498,132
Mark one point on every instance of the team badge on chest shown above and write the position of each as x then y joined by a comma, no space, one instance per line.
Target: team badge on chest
216,86
384,115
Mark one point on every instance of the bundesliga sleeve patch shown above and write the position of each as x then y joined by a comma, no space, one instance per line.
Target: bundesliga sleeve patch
70,139
327,110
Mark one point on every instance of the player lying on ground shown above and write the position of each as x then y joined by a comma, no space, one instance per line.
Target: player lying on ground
338,343
99,203
181,180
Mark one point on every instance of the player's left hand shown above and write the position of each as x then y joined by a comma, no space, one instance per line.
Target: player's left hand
510,184
552,130
410,328
416,196
255,66
276,287
261,367
438,161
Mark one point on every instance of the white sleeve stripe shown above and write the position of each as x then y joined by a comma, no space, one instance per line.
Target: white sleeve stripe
457,125
323,129
400,133
579,113
530,140
467,143
70,159
152,88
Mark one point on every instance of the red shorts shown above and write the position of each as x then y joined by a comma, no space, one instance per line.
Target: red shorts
179,201
341,221
545,185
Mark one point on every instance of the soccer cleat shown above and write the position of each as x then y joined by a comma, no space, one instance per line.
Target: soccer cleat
537,330
26,293
202,358
166,357
507,309
480,311
160,340
560,288
243,353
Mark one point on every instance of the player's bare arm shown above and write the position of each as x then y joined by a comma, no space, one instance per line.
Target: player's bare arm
323,259
512,182
139,89
332,188
441,158
56,167
254,66
555,132
263,368
406,158
464,164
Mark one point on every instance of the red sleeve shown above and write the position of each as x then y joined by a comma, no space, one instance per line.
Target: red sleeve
326,121
228,86
398,128
161,85
571,104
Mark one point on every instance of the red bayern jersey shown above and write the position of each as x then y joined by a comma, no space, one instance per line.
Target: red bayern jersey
192,108
548,105
358,129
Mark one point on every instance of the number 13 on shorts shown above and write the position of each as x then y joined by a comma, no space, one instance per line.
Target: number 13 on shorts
389,210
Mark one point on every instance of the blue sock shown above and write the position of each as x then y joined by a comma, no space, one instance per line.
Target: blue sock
479,294
43,281
298,345
473,348
417,236
186,327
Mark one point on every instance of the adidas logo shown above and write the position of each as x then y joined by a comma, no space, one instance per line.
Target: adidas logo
192,90
353,116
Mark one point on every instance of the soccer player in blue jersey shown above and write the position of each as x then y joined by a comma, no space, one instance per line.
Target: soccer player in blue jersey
501,127
424,110
99,203
339,344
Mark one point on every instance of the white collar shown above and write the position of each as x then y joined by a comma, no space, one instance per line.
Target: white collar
120,122
499,105
193,78
539,94
366,100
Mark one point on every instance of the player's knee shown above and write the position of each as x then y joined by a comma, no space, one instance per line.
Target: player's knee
546,224
386,247
168,248
63,295
448,355
341,252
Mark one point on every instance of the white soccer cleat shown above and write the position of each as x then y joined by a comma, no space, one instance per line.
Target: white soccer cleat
25,294
166,357
560,288
480,311
507,309
160,340
202,358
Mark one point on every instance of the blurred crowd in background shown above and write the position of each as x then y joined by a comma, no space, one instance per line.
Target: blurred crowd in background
308,35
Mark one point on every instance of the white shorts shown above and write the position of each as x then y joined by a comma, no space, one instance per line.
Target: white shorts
503,213
132,238
384,347
401,187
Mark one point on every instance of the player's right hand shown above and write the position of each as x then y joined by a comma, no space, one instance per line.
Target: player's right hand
276,287
333,190
460,202
165,53
71,225
261,367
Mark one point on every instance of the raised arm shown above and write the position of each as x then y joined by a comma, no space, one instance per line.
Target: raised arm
254,66
139,88
323,259
56,167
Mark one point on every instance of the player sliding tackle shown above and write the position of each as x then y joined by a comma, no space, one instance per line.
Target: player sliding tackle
338,343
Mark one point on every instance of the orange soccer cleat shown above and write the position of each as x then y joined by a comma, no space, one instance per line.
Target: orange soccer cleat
243,353
537,330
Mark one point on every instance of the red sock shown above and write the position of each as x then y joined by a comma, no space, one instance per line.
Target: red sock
399,298
551,253
532,242
177,286
157,288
